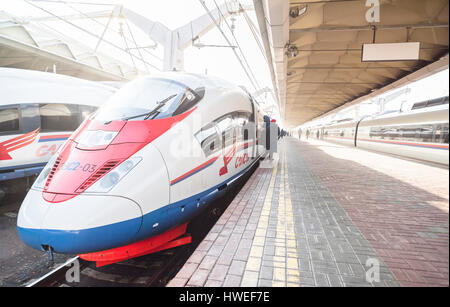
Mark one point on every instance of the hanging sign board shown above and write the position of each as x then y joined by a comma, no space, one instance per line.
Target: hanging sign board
390,52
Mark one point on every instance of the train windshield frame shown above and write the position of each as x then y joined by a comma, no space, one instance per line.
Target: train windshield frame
149,98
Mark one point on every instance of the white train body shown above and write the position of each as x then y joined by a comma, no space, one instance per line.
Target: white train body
38,112
421,133
158,169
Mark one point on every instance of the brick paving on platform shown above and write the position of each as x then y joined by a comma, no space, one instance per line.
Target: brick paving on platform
400,206
318,218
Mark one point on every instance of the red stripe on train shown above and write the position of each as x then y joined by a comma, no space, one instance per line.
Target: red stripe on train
47,137
194,170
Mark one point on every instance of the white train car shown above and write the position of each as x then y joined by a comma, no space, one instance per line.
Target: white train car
342,132
420,134
138,170
38,112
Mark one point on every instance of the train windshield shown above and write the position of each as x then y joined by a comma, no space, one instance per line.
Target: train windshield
149,98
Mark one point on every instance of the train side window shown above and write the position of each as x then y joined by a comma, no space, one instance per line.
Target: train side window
375,132
85,111
435,102
409,133
209,139
445,134
245,132
437,135
242,120
238,129
59,117
226,126
9,120
426,133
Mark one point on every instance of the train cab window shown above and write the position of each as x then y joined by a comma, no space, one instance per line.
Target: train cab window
9,120
209,139
150,98
59,117
189,100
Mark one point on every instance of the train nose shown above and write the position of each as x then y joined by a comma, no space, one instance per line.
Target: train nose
82,224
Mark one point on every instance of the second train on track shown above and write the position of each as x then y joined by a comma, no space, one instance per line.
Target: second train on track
420,133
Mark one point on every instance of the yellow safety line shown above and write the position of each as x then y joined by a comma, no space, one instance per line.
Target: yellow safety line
285,260
286,271
251,273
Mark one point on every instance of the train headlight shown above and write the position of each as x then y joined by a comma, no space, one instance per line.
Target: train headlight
97,138
42,178
111,179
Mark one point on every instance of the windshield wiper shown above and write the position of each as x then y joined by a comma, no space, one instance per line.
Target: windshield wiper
161,104
156,110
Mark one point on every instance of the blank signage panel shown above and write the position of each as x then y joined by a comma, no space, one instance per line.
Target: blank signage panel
390,52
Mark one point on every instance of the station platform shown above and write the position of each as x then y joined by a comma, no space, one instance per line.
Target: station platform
328,215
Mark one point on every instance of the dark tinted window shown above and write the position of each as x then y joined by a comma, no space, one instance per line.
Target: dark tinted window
441,133
420,133
59,117
189,100
430,103
9,120
445,134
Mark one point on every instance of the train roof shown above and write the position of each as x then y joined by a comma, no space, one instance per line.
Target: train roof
441,107
194,81
28,86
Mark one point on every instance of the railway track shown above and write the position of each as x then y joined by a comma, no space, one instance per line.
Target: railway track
148,271
154,270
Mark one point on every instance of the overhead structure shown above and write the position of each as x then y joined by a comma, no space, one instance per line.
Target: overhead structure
29,45
174,42
316,49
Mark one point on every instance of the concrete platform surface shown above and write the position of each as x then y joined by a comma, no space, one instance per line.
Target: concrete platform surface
329,215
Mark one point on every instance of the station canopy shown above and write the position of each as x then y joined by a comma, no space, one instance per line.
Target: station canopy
322,67
28,44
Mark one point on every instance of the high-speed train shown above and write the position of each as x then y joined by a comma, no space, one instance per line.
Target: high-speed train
128,181
421,133
38,111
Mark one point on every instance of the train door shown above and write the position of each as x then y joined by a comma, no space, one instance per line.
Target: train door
210,139
355,141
